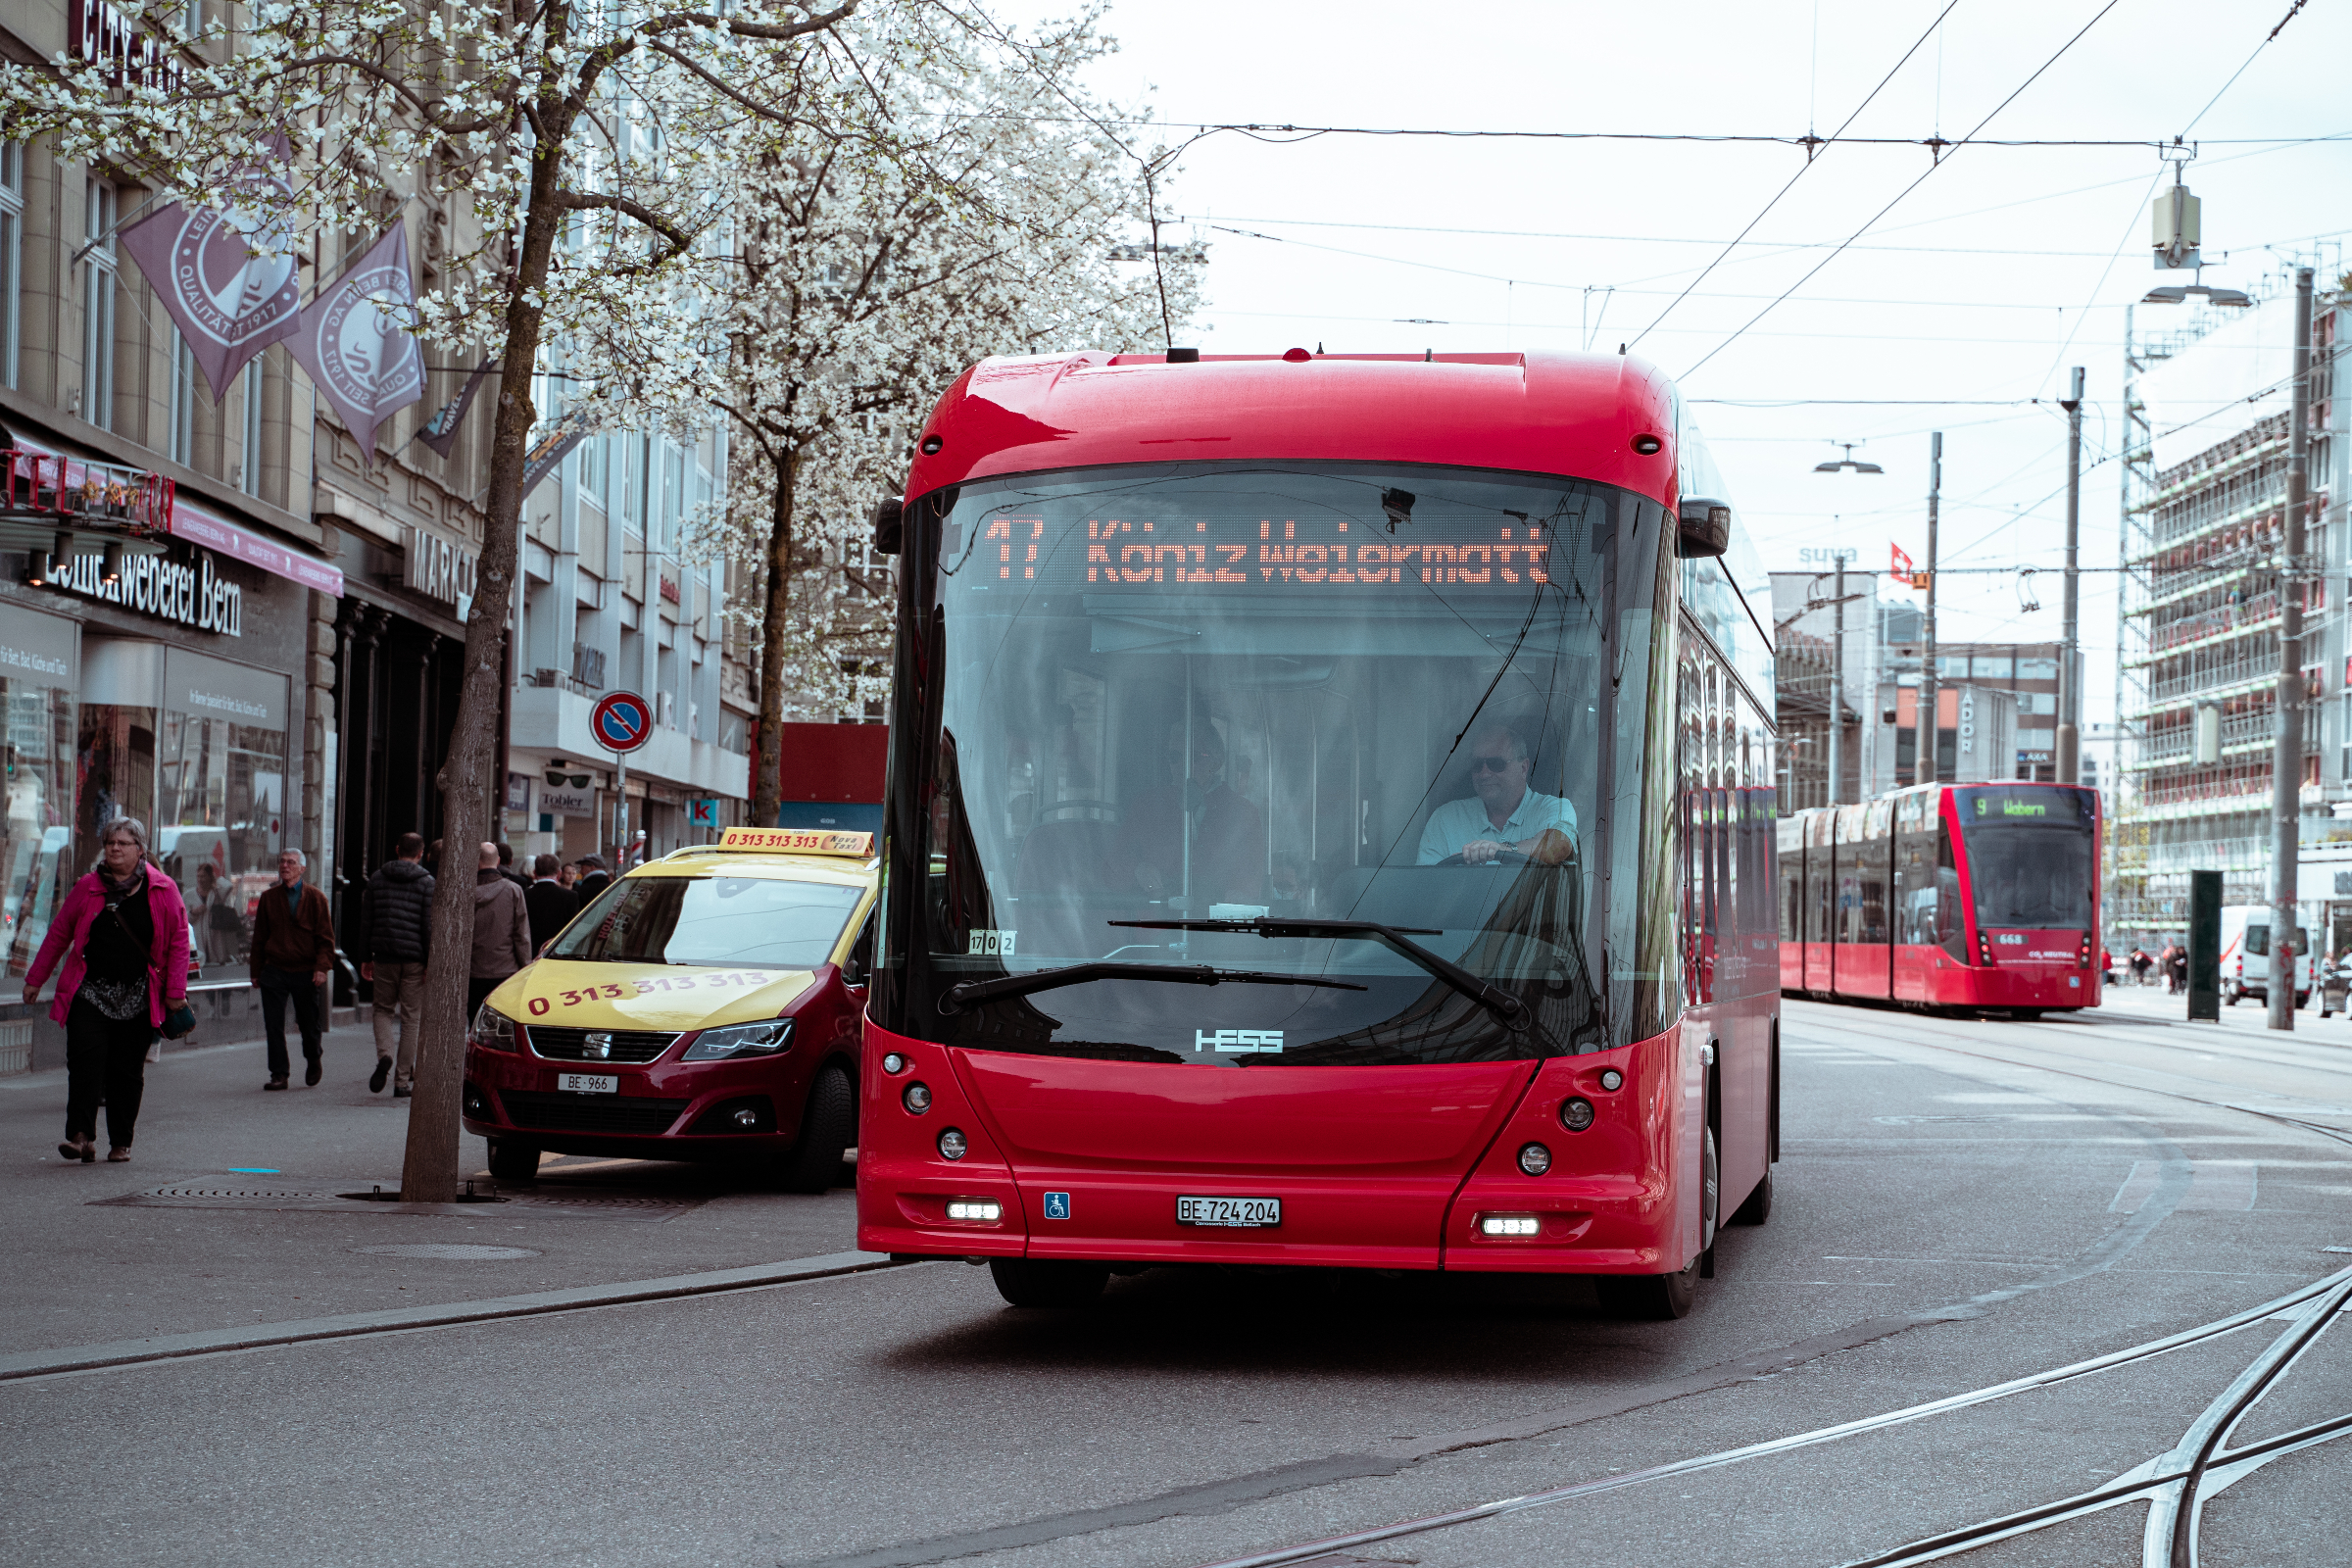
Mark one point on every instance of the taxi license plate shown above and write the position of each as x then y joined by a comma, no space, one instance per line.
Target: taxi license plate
588,1082
1234,1211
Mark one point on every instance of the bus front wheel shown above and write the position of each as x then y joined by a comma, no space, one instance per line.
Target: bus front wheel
1648,1298
1048,1282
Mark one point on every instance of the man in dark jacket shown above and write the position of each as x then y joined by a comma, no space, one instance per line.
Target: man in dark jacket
550,903
394,940
501,931
506,867
593,879
293,949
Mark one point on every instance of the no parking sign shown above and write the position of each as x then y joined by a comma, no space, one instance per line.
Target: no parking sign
621,722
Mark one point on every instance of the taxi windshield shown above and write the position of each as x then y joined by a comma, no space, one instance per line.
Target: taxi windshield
724,920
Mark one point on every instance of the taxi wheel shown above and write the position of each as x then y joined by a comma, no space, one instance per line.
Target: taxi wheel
1048,1282
827,1124
510,1161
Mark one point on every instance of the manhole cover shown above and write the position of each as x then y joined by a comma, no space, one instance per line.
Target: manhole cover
454,1251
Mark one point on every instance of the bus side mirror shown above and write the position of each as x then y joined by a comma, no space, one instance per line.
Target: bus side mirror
1706,527
890,519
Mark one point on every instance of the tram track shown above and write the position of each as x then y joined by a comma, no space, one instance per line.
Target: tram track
1937,1042
2323,1300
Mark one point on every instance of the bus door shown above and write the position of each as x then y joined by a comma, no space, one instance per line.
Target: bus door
1789,852
1863,964
1917,912
1821,902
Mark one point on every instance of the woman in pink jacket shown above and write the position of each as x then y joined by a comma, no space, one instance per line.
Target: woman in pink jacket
122,936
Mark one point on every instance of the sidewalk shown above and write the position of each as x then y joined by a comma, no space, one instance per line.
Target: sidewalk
2151,1003
92,1267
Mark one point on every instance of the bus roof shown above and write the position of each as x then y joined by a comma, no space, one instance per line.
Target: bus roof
1573,414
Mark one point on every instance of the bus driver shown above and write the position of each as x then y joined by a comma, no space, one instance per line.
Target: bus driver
1504,814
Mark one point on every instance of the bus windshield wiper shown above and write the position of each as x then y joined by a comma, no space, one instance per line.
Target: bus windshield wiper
957,997
1492,998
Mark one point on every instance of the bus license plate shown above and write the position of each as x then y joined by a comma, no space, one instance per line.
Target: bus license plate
1235,1211
588,1082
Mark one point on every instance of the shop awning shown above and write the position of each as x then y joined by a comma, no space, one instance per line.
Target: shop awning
200,526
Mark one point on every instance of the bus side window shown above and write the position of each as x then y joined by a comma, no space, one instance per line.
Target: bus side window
1950,930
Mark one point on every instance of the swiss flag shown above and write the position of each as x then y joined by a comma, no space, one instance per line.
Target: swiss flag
1902,572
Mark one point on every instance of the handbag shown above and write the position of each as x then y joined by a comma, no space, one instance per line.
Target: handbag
179,1022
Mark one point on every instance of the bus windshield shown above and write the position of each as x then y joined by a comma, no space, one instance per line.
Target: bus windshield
2029,855
1184,698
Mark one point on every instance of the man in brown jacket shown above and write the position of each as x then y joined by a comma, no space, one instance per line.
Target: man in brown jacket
293,949
502,930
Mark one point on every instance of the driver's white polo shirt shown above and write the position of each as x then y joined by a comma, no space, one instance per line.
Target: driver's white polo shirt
1459,823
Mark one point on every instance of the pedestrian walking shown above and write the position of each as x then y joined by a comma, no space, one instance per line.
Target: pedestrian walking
394,942
293,949
569,874
501,931
550,903
2179,969
506,867
119,950
593,879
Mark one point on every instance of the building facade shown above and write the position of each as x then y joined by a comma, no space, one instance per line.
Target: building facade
248,635
2207,411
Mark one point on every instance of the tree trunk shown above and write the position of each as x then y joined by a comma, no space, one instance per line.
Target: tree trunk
767,784
429,1170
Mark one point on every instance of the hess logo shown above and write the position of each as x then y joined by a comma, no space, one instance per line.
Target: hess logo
1237,1041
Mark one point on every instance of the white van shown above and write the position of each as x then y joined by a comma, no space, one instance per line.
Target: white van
2246,955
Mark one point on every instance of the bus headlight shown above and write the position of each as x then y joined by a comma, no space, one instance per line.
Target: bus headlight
1535,1158
986,1210
952,1145
916,1099
1509,1225
1576,1114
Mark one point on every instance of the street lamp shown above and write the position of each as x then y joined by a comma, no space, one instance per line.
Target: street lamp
1847,461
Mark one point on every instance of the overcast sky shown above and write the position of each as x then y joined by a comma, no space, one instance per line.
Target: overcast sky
1981,285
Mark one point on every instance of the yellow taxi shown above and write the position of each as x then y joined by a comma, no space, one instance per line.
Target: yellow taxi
706,1005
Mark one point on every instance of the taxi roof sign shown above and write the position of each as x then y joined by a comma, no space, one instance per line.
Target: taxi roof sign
796,840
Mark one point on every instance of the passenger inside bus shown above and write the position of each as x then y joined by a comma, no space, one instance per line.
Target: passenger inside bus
1503,815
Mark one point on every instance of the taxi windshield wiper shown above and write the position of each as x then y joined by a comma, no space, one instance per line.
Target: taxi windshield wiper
957,997
1493,999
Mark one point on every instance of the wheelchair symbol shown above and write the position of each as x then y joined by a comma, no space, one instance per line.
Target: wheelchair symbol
1057,1206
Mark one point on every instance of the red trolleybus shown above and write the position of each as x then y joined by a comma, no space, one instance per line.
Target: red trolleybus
1314,833
1978,897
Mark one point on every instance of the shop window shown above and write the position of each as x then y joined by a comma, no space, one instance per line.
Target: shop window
116,757
221,789
37,826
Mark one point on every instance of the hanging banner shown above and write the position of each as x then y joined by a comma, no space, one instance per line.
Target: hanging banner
441,430
353,340
226,279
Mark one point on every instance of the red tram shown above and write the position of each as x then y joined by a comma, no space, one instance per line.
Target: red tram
1328,824
1978,897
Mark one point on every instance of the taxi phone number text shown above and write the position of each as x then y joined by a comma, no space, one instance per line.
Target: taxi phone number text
611,992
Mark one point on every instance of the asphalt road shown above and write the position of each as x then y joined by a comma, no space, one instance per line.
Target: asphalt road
1959,1205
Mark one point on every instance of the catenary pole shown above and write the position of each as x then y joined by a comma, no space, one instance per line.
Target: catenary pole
2069,659
1838,688
2287,763
1925,725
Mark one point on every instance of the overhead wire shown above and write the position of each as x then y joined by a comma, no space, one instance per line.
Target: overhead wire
1815,269
1811,156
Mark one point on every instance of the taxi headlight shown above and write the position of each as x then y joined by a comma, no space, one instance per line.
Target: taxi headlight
741,1040
492,1030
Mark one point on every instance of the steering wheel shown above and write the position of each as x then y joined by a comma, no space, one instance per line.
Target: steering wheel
1502,857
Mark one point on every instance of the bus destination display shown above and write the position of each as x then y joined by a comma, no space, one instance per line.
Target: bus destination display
1233,554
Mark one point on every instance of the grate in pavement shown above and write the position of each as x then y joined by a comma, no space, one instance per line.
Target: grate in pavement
452,1251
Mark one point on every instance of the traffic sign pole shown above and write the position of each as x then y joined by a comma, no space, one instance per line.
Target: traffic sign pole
622,721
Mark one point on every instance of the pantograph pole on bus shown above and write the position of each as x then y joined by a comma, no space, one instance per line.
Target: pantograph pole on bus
1837,687
2286,761
1926,723
2070,684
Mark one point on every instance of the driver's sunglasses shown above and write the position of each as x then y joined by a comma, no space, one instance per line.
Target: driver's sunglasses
1491,764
